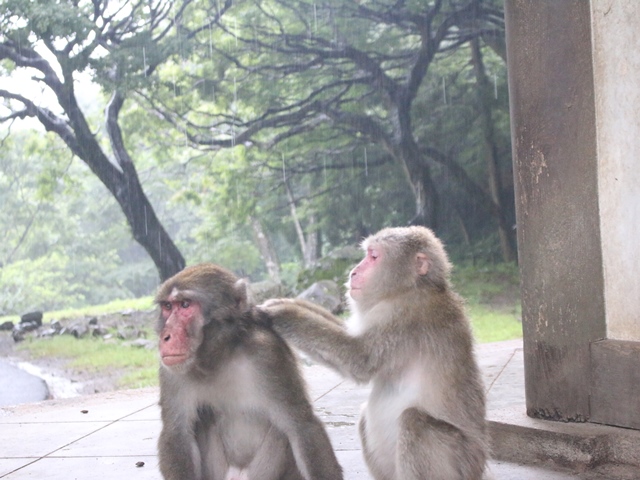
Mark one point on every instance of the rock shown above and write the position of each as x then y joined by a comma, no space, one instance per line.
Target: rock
32,318
48,332
261,291
17,335
128,332
78,330
325,293
98,331
143,343
28,326
8,326
93,321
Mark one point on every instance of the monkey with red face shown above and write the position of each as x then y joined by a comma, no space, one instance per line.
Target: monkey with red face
408,335
233,402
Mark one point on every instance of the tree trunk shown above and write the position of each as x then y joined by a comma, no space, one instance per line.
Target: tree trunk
308,245
267,251
490,150
313,251
418,173
125,186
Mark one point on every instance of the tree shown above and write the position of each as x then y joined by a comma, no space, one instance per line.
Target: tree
340,94
61,245
121,45
357,66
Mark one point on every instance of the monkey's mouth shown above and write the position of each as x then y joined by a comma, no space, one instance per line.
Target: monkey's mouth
170,360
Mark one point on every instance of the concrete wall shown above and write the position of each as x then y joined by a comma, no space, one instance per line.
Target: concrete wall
616,70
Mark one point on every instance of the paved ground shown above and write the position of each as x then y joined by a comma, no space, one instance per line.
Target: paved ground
18,386
105,436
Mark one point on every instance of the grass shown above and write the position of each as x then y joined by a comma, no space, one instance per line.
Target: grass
138,365
494,326
143,303
491,293
95,355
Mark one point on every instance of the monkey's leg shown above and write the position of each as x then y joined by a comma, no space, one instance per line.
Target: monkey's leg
369,457
274,460
214,460
434,449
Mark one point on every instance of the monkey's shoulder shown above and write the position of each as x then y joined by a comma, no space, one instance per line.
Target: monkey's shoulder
262,341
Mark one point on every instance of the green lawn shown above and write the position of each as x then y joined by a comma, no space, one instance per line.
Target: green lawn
139,365
492,325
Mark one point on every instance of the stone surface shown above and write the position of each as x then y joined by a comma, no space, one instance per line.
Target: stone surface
105,435
19,386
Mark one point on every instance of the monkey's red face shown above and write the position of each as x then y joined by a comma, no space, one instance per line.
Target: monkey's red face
182,320
360,276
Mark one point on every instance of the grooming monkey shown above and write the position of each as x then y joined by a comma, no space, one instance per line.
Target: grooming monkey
233,402
408,335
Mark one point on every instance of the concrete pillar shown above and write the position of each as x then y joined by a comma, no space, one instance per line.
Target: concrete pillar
577,176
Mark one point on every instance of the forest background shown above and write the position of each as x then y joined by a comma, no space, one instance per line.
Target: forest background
139,136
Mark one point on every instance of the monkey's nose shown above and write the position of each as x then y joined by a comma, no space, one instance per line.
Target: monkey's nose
166,338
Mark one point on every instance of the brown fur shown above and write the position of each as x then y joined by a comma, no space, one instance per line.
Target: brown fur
239,404
409,337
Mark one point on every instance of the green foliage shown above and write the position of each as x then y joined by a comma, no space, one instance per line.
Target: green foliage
334,266
115,306
40,284
485,283
234,251
63,240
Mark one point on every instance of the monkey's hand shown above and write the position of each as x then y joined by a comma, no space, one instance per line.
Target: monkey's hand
282,311
321,335
275,302
271,310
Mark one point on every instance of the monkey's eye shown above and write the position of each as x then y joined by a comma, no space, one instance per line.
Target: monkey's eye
185,303
166,305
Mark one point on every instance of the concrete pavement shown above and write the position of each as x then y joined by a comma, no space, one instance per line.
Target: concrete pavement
19,386
113,435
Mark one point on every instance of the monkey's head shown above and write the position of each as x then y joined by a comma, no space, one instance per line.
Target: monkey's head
190,302
396,260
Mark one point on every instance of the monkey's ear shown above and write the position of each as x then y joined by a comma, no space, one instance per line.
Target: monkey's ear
422,264
241,293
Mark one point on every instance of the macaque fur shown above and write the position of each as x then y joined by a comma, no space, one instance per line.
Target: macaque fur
233,402
408,335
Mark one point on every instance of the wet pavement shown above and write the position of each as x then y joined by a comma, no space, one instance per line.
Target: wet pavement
113,435
18,386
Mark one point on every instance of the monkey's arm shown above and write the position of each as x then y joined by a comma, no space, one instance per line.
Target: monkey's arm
176,450
180,458
316,332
